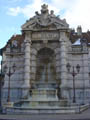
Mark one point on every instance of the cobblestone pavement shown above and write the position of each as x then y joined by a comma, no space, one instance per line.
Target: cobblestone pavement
82,116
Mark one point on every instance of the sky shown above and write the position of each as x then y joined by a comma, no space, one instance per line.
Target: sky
14,13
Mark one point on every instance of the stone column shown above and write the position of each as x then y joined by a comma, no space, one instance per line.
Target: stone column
26,85
63,70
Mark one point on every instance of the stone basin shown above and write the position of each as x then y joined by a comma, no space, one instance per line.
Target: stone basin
41,98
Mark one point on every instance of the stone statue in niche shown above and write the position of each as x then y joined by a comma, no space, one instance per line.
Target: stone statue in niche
14,44
58,92
84,44
46,72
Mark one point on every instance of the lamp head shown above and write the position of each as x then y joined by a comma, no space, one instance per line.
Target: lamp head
14,67
78,68
68,66
5,69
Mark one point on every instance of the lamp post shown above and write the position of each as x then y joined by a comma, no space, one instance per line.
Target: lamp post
89,77
9,72
1,84
73,73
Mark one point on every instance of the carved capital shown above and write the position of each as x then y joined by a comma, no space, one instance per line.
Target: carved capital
27,37
28,34
63,36
27,41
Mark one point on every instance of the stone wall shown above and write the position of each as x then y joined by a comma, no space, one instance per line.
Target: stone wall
16,79
82,80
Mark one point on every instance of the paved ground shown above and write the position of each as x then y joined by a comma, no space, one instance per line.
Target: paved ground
83,116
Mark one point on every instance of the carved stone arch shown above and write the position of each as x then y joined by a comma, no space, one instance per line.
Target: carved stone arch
46,51
44,46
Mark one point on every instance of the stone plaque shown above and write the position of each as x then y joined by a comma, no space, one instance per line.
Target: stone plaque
45,36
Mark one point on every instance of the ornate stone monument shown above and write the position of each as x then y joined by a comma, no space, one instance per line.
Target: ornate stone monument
45,35
41,53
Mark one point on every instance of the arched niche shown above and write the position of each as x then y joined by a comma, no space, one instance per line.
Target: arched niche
46,69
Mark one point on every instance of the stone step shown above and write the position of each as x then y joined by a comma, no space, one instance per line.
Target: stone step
41,104
45,85
47,110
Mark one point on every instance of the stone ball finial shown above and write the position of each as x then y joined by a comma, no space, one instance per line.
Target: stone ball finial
52,12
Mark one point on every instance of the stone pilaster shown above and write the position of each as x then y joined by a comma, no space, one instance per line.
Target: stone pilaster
27,42
63,70
26,84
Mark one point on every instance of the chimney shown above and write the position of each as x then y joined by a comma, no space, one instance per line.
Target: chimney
79,30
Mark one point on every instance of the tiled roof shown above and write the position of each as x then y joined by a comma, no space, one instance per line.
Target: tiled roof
19,38
74,36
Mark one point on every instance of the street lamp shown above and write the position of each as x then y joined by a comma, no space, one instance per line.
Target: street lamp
1,84
9,72
73,73
89,77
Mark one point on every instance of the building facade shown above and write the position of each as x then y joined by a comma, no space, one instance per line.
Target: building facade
43,54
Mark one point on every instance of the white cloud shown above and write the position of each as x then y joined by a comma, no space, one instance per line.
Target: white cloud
13,1
28,10
79,14
76,12
14,11
0,62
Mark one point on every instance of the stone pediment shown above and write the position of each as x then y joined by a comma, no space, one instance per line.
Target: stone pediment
45,21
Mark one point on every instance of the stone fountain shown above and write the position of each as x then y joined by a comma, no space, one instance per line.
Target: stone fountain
44,93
